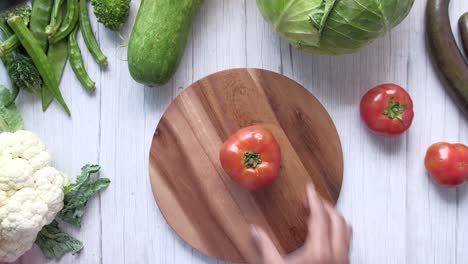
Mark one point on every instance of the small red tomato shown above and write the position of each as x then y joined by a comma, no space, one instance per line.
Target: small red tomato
251,157
447,163
387,110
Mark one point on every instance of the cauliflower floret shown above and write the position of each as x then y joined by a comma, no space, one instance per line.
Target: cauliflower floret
31,192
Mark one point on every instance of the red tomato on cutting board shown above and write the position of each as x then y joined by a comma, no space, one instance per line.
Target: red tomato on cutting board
387,110
251,157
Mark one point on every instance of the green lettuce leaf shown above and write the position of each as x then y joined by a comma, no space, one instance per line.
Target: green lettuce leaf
78,194
10,118
54,243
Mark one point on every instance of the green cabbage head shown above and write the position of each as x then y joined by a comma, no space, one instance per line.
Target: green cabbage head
333,26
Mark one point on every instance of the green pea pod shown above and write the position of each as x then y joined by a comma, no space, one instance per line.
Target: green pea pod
88,35
77,64
58,56
46,98
40,18
55,19
9,45
39,58
69,23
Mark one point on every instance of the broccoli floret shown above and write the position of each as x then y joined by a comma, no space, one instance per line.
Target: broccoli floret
23,11
111,13
24,74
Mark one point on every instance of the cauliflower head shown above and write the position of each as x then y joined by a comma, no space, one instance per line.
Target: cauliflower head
31,192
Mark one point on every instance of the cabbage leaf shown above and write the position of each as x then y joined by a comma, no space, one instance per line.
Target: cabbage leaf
333,26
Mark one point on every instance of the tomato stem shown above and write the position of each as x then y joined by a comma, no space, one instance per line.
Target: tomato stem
252,159
395,110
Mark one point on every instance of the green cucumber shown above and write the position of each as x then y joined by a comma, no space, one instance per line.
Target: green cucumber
159,38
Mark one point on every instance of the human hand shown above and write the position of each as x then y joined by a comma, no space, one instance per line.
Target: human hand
328,241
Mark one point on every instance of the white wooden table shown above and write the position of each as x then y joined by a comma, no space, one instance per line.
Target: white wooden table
398,214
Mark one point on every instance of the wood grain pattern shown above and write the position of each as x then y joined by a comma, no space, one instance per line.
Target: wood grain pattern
198,199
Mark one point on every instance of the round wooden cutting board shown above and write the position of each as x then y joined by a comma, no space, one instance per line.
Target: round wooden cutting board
201,203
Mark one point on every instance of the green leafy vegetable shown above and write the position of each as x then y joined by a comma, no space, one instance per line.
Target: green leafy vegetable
78,194
54,243
10,118
333,26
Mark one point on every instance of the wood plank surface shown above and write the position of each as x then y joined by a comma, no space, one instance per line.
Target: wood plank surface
398,214
198,199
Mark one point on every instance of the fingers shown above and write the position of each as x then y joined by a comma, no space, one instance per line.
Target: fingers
329,234
339,223
300,256
340,234
266,249
328,240
319,219
349,233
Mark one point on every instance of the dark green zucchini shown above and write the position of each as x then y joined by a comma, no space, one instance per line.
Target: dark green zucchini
446,54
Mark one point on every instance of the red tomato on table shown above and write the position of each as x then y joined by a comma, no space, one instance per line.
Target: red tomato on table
447,163
387,110
251,157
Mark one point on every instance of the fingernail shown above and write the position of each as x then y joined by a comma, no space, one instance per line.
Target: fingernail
311,189
254,231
